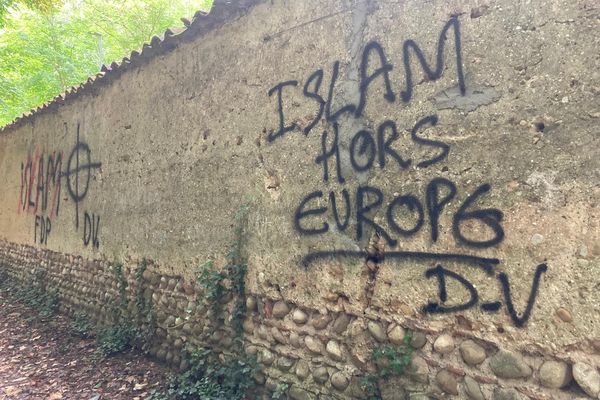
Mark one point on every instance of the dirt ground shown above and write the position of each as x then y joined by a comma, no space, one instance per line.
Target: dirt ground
41,358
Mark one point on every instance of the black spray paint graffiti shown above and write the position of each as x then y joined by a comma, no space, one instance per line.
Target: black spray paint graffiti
312,87
91,229
43,227
375,149
368,199
442,273
78,169
78,176
368,149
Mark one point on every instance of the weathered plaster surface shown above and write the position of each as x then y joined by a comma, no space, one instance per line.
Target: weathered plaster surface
183,143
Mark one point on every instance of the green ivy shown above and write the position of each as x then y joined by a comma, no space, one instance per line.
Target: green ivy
233,277
81,325
237,267
35,293
215,375
121,333
114,339
127,331
280,391
145,314
389,361
211,377
140,301
121,287
212,282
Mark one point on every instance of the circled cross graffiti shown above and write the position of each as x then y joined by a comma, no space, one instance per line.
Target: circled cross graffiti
79,172
78,192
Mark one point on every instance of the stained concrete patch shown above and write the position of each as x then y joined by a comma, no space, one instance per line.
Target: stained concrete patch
474,97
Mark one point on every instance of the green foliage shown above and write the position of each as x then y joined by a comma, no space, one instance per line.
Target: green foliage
371,387
128,329
280,391
237,267
395,360
142,306
139,293
390,361
146,317
121,287
120,335
37,294
51,47
45,301
116,338
212,281
210,377
232,279
42,6
237,276
81,325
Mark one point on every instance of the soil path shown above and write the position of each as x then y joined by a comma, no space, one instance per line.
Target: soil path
41,358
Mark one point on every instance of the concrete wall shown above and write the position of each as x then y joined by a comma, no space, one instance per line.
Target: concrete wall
432,166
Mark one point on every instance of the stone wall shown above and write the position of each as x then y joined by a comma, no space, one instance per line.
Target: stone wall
411,167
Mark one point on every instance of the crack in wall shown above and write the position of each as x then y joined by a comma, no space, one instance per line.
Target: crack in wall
348,92
312,21
375,252
349,87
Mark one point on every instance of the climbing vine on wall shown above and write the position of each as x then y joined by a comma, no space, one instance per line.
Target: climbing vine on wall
228,375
